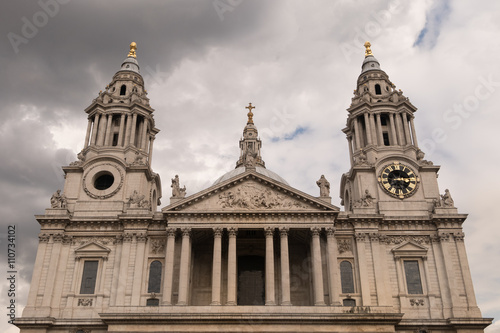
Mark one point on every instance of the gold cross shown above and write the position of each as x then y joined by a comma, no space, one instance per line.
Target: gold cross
250,114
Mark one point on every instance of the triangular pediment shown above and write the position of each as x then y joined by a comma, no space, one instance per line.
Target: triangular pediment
250,192
92,249
410,249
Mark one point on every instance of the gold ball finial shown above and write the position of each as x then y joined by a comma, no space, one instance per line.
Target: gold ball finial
368,51
133,47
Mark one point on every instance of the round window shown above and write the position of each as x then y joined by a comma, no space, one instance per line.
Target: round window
104,181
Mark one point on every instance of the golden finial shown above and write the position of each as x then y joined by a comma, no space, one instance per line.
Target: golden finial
250,114
133,47
368,51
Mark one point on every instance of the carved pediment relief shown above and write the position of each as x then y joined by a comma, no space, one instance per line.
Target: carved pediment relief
250,195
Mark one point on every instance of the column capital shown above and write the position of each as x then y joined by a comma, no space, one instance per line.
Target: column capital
330,232
171,232
217,232
186,232
315,231
232,232
269,231
284,231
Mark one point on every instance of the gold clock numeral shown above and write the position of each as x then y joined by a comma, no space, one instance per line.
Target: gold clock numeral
393,190
397,167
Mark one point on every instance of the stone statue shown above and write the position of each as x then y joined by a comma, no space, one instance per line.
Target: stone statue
446,200
367,199
63,201
177,191
250,159
361,159
54,200
324,186
137,200
58,200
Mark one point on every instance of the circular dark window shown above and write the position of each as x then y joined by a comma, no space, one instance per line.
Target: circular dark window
104,181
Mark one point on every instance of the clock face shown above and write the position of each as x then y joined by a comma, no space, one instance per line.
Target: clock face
398,180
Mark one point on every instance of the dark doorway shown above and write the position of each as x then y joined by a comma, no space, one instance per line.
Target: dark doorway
251,281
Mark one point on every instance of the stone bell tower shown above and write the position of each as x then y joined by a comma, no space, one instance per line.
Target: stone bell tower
113,172
388,174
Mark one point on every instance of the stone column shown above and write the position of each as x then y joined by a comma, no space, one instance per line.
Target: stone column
448,251
399,129
102,130
87,135
133,129
462,259
184,267
349,140
381,269
333,276
285,268
37,270
394,139
380,135
65,241
373,129
118,241
270,295
413,132
368,129
108,135
51,275
95,129
128,130
121,131
356,134
216,266
138,268
122,282
319,298
150,154
363,272
144,134
169,267
231,267
407,129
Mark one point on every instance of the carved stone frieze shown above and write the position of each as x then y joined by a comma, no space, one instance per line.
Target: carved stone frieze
344,245
157,245
398,239
85,301
416,302
98,240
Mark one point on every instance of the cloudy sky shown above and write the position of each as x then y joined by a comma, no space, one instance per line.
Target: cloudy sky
296,61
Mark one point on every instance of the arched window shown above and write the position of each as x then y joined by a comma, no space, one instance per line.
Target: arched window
346,277
123,90
154,277
378,91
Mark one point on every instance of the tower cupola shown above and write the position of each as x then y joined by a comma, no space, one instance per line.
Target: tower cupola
250,144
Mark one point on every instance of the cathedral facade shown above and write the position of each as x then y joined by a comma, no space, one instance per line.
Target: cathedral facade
251,253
